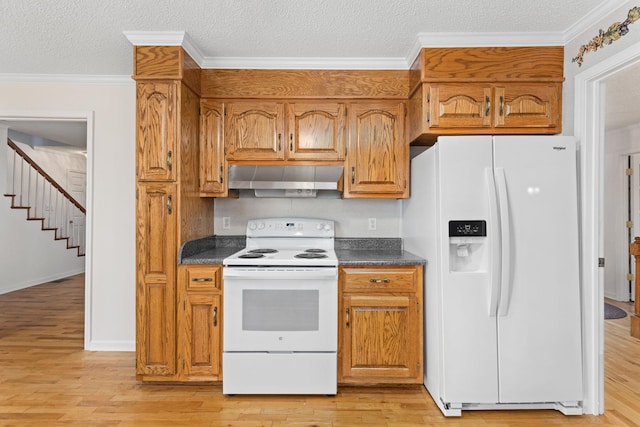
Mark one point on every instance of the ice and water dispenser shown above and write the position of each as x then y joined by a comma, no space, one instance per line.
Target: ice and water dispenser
467,245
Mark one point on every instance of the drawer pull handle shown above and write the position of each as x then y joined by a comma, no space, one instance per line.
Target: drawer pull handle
379,280
347,312
202,279
215,316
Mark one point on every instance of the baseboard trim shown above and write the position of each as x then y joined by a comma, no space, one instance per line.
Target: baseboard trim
110,346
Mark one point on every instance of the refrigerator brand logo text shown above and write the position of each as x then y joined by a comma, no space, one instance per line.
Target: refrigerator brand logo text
559,148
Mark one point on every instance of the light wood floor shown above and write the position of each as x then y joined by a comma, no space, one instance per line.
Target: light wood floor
46,379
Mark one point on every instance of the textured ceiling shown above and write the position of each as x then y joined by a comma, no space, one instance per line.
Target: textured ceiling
86,36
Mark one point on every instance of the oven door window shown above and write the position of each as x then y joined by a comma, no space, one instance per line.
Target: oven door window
280,310
276,311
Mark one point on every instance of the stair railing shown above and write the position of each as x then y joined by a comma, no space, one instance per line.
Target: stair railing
31,188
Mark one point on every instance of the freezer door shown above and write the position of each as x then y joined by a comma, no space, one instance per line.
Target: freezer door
469,346
539,334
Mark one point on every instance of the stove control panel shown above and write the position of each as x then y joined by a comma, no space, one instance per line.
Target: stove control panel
290,227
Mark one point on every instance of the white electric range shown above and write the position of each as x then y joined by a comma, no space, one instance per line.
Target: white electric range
280,309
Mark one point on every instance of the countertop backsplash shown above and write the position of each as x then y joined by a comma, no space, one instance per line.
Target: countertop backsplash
351,216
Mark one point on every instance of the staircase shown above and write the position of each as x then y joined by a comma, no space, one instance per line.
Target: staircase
44,200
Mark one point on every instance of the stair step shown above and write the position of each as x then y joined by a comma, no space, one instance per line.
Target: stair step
43,227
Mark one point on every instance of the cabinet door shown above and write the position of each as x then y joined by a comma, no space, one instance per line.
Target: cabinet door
380,339
459,106
201,334
199,322
254,131
377,163
213,165
527,105
156,118
155,288
316,131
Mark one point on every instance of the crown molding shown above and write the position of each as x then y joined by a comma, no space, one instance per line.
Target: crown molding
590,19
65,78
166,38
423,40
155,38
309,63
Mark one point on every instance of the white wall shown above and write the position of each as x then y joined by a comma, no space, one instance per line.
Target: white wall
619,144
351,215
111,254
30,256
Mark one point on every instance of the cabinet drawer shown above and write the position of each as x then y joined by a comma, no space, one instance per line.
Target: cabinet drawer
384,279
202,278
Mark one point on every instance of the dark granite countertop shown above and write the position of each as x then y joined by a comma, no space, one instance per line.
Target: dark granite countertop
381,251
350,251
210,250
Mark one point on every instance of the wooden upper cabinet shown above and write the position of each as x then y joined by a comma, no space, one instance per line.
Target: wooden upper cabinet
459,105
156,117
254,131
493,106
377,163
527,106
316,131
493,90
268,131
213,165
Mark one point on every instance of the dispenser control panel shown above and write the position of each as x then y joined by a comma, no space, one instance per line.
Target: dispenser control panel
473,228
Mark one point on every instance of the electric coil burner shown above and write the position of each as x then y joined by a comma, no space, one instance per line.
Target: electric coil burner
280,309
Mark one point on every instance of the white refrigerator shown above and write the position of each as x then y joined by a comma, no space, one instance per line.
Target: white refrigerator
496,218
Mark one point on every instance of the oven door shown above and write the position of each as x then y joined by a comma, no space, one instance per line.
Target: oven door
280,309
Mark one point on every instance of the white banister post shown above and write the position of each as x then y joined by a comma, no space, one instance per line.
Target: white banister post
4,158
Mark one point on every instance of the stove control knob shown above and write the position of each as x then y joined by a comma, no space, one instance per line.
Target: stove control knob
261,226
319,226
327,227
252,226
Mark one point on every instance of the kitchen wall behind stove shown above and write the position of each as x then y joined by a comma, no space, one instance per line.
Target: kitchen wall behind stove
351,215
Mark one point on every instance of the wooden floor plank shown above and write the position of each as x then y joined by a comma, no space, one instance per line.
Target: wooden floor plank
46,379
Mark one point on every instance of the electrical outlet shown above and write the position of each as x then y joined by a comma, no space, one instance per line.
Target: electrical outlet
372,224
226,223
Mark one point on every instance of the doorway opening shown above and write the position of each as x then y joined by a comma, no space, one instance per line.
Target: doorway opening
60,119
589,123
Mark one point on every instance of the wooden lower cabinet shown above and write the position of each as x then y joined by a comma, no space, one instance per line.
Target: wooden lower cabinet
380,333
199,322
155,288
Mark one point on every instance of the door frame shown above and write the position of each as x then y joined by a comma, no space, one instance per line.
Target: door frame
589,121
634,208
88,117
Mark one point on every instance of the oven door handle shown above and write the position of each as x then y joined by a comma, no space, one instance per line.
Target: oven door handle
277,273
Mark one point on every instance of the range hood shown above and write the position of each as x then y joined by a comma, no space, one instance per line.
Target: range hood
284,181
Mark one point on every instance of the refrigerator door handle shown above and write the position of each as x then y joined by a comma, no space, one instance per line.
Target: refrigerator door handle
505,242
494,242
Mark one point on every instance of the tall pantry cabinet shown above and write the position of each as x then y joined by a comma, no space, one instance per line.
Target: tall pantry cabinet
167,190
